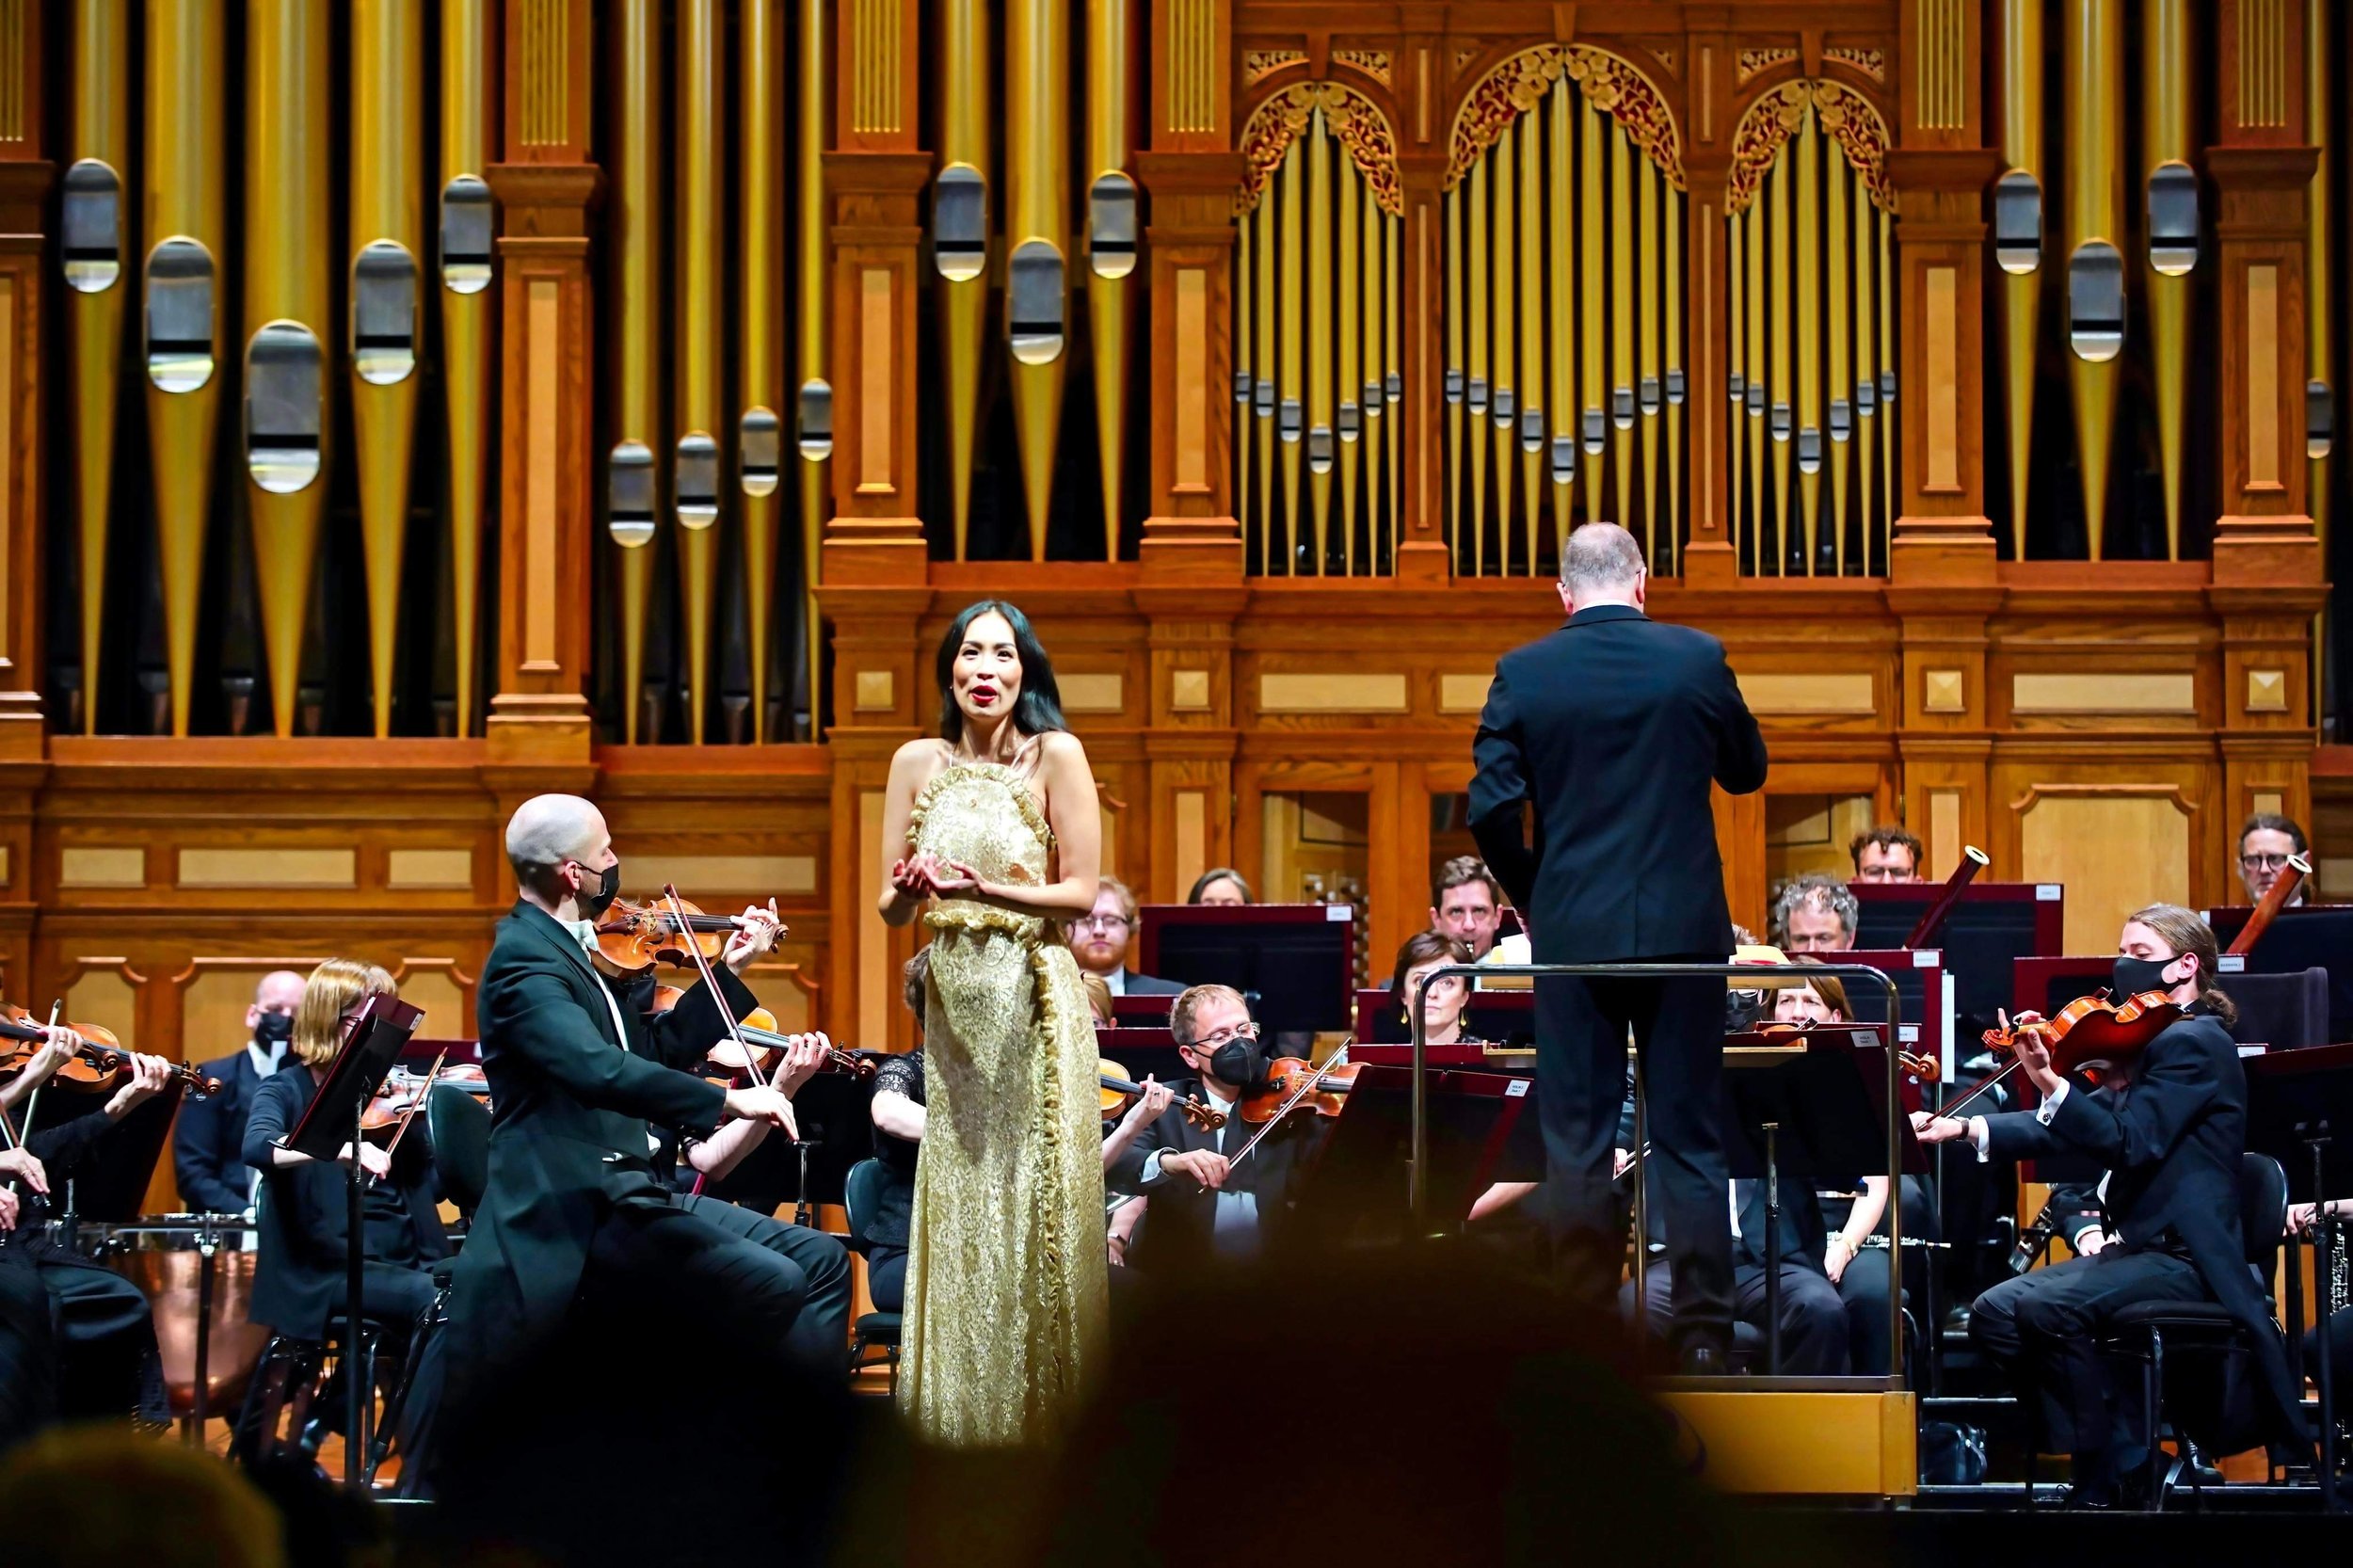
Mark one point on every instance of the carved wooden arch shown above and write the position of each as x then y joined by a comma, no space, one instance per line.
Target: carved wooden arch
1362,126
1617,86
1849,118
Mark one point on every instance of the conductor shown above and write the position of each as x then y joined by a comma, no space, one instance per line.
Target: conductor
1612,728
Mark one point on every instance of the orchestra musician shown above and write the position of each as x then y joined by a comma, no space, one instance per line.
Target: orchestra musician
2172,1138
1613,729
101,1359
1816,914
574,1204
207,1139
1098,940
896,1108
2264,847
1467,904
2304,1221
1887,853
1220,886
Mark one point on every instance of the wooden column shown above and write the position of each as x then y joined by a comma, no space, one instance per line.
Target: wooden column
875,173
1709,557
25,178
547,524
1423,65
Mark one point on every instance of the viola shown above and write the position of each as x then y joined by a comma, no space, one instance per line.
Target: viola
634,938
97,1066
1119,1091
1293,1083
2087,1031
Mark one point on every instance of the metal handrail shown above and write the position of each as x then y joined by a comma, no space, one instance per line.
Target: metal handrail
1416,1182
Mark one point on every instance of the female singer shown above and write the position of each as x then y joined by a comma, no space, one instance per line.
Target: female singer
1005,1259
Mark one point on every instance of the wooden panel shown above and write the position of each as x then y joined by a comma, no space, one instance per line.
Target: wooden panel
1463,694
1092,692
421,869
102,866
1316,691
2116,848
2104,691
696,876
271,866
1775,692
1944,843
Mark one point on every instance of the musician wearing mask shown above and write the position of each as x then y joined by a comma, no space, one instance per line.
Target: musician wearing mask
207,1139
2171,1138
1887,853
2264,847
95,1357
1206,1207
302,1276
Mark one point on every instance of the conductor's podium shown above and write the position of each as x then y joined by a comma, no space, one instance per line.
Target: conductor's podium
1798,1436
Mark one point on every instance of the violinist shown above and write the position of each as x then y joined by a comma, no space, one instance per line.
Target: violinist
897,1111
105,1360
2172,1138
1204,1209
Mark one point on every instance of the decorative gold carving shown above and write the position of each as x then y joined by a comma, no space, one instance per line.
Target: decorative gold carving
1192,65
547,73
2266,691
874,107
1372,62
1354,119
1755,62
1188,690
1773,119
1617,86
1942,692
1871,62
1943,52
877,692
1259,64
2263,63
1464,56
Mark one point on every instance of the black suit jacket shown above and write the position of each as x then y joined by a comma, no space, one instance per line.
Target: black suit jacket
1177,1229
568,1128
2171,1141
302,1220
1153,986
205,1141
1612,729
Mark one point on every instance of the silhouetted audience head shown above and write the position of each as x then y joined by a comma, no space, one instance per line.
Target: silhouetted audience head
105,1498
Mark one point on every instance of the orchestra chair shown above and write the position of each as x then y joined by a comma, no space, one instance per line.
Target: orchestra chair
2284,1012
874,1331
2156,1333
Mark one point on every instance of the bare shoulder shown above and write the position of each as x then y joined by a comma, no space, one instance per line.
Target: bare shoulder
917,763
1058,749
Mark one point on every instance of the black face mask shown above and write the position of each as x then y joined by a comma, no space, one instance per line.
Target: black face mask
2132,976
1239,1063
592,904
274,1033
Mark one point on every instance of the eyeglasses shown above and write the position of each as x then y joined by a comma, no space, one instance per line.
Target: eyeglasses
2263,862
1882,874
1100,923
1225,1037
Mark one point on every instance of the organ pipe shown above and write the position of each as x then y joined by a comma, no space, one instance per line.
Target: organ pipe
2020,299
1676,284
759,46
811,279
1785,250
1454,373
1503,394
1392,381
1111,46
1561,399
637,338
1531,363
101,146
1647,392
1744,497
2165,137
1757,393
2095,75
1808,148
963,152
466,305
1589,292
1349,337
1268,386
1037,167
1621,325
1372,397
1840,260
1866,392
1475,333
1246,340
1290,384
694,363
1319,335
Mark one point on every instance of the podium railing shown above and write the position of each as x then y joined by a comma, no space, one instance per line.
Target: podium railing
1417,1183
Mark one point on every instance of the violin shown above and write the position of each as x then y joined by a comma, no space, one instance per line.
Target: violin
397,1104
1926,1069
1293,1083
759,1030
634,938
1119,1092
96,1067
2087,1031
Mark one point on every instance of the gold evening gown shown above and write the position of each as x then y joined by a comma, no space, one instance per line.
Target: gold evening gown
1005,1287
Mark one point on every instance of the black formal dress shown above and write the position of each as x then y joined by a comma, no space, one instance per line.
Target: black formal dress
575,1205
2171,1140
1187,1228
886,1235
1612,730
102,1330
207,1142
301,1274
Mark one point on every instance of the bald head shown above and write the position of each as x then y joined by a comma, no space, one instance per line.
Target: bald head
1602,565
280,992
546,832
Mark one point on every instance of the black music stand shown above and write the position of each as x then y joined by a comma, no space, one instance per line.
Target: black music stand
1815,1102
1482,1129
334,1117
1298,960
2300,1111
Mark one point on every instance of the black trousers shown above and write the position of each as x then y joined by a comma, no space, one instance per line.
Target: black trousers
887,1277
1813,1320
1862,1293
818,1338
2042,1329
107,1361
28,1357
1581,1085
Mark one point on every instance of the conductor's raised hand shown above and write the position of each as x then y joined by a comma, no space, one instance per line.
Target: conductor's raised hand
762,1105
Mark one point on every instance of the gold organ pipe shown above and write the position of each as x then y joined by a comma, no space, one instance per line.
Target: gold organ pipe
1371,401
1779,388
1866,388
1037,167
1292,384
286,280
759,45
964,109
1345,446
1675,392
1245,322
1841,260
1620,322
1758,390
698,215
812,280
1737,280
2020,299
1809,153
2164,133
1476,332
1320,334
1886,267
2095,211
1531,334
183,162
2319,293
465,337
1590,282
100,133
1269,367
1111,51
1503,397
1392,387
1454,373
1646,351
1561,425
387,166
637,336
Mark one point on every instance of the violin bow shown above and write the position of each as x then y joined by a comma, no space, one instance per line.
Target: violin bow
1308,1086
702,964
432,1075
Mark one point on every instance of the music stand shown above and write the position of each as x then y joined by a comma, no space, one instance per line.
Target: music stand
1498,1017
1144,1053
1988,925
1482,1130
378,1031
1299,959
2304,937
2300,1111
